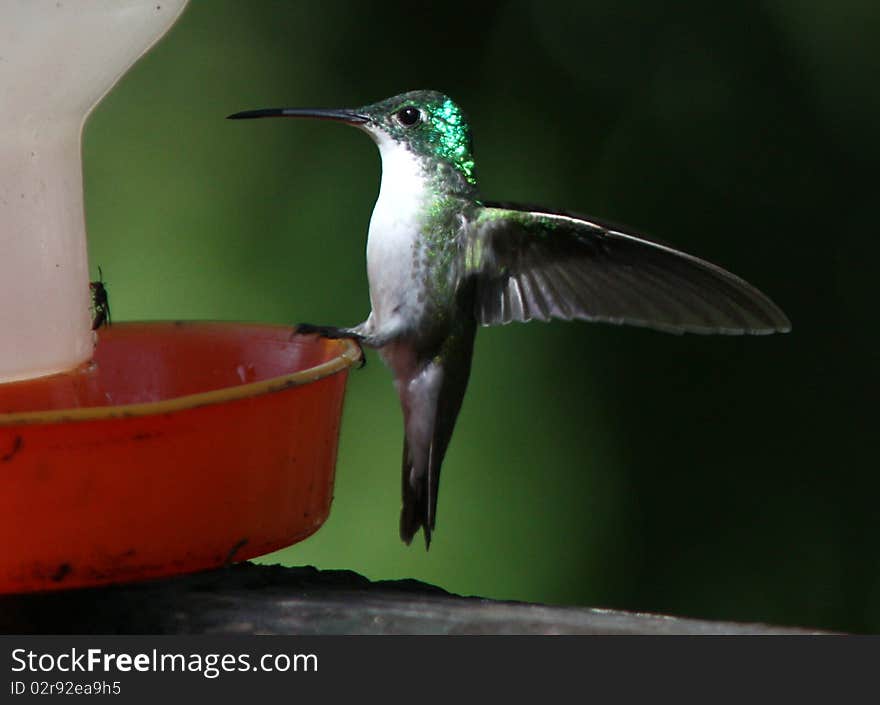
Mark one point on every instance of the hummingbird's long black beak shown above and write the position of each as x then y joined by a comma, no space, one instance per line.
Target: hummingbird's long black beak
349,116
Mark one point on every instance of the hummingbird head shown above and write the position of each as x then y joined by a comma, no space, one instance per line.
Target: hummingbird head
427,123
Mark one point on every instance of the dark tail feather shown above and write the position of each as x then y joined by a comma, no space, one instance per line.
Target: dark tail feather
409,515
415,511
431,402
430,433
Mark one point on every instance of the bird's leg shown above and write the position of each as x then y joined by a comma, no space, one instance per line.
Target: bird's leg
335,333
328,331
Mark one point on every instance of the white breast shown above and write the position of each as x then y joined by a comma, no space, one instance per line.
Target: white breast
394,232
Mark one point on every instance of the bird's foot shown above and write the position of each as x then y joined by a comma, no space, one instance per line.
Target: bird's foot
334,333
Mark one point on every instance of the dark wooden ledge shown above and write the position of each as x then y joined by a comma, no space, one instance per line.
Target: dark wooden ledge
249,599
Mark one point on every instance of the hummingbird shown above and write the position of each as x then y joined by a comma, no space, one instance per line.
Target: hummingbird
442,261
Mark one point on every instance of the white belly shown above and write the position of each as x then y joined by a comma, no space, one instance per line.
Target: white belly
393,238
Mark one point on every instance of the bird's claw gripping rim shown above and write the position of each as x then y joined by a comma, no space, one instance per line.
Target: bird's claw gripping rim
334,334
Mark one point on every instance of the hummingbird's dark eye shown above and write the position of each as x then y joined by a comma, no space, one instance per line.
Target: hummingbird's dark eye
408,116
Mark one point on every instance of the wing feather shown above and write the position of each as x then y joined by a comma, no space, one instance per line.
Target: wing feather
535,265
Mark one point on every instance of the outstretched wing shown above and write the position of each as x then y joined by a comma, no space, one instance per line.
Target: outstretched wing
532,265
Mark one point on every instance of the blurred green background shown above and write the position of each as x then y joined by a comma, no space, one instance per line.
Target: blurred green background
592,465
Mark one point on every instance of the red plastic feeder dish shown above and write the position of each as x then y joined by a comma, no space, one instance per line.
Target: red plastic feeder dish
183,446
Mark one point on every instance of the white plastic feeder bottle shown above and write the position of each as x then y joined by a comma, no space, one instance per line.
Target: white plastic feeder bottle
57,60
